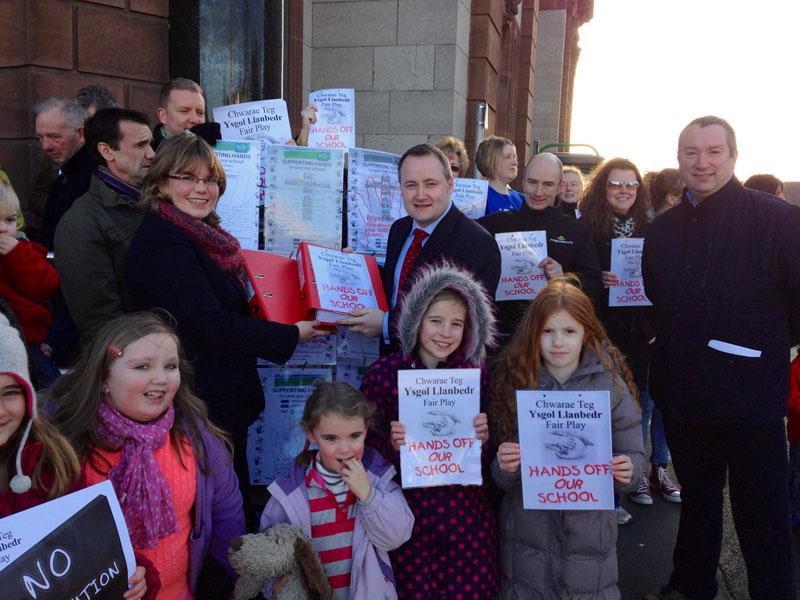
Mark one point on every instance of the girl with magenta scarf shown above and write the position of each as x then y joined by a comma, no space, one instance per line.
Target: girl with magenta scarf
129,412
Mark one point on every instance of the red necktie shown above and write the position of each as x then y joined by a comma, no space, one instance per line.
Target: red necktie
411,256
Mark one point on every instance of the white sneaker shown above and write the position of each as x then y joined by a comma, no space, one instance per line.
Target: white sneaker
623,516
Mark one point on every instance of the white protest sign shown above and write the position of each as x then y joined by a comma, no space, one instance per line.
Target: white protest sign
303,197
355,348
469,195
320,351
238,206
266,120
626,264
437,408
275,439
565,444
350,373
336,119
373,199
72,547
520,255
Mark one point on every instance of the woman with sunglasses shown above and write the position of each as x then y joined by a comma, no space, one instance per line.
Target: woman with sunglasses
181,260
616,204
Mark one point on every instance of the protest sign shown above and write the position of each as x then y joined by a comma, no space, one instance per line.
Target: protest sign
520,255
336,119
626,264
437,408
266,120
275,438
565,444
76,546
374,201
238,206
303,197
469,195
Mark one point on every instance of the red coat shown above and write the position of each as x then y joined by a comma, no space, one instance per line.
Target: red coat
11,503
793,416
27,280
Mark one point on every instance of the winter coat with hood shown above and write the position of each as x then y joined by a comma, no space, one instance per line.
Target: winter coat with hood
571,554
468,548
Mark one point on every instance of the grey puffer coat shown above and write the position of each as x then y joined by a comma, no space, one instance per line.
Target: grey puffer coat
547,554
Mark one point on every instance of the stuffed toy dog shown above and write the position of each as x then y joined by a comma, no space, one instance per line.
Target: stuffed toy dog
280,550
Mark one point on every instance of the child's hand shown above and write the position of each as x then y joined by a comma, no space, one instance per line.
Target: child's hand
481,424
508,457
138,585
398,435
7,243
622,469
609,279
278,586
355,477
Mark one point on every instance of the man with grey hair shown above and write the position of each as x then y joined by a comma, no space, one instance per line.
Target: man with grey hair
722,273
59,128
570,248
95,97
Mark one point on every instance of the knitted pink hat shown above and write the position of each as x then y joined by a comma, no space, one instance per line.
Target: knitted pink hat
14,362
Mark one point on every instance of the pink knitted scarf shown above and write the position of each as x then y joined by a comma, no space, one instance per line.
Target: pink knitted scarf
141,487
221,246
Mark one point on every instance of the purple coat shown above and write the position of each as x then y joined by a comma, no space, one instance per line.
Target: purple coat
218,514
381,525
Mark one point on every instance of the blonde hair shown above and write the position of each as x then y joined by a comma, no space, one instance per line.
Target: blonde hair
489,153
8,197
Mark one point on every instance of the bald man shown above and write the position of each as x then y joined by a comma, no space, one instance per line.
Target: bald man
570,248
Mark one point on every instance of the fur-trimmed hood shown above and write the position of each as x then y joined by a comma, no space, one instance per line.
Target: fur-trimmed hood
480,331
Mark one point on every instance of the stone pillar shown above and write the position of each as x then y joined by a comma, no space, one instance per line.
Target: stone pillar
407,61
547,93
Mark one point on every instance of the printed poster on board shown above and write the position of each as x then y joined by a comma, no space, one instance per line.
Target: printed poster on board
374,201
565,445
336,119
266,120
303,197
76,546
275,438
238,206
520,255
626,264
469,195
437,407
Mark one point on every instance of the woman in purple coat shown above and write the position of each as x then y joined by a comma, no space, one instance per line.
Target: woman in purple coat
446,322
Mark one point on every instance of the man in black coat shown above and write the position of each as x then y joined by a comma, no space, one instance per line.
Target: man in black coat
426,184
722,272
570,247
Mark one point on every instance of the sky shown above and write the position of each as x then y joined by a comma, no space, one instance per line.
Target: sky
648,67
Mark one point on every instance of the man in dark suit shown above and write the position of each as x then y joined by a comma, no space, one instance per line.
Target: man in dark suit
434,230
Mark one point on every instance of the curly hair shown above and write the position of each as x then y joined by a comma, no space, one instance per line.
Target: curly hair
77,394
518,366
452,145
597,213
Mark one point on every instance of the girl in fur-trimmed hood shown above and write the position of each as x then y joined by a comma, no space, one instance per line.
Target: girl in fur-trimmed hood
446,322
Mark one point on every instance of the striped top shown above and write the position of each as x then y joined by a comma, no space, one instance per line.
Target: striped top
333,517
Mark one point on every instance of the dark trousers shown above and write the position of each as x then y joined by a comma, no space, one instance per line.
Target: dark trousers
755,460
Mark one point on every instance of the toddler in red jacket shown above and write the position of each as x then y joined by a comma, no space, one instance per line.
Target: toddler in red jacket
26,281
793,431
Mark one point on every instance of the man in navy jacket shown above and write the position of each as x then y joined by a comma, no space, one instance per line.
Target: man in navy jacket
426,185
723,274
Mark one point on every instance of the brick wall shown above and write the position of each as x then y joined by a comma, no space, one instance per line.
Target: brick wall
56,47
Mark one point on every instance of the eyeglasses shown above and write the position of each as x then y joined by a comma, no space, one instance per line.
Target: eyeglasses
616,184
192,180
